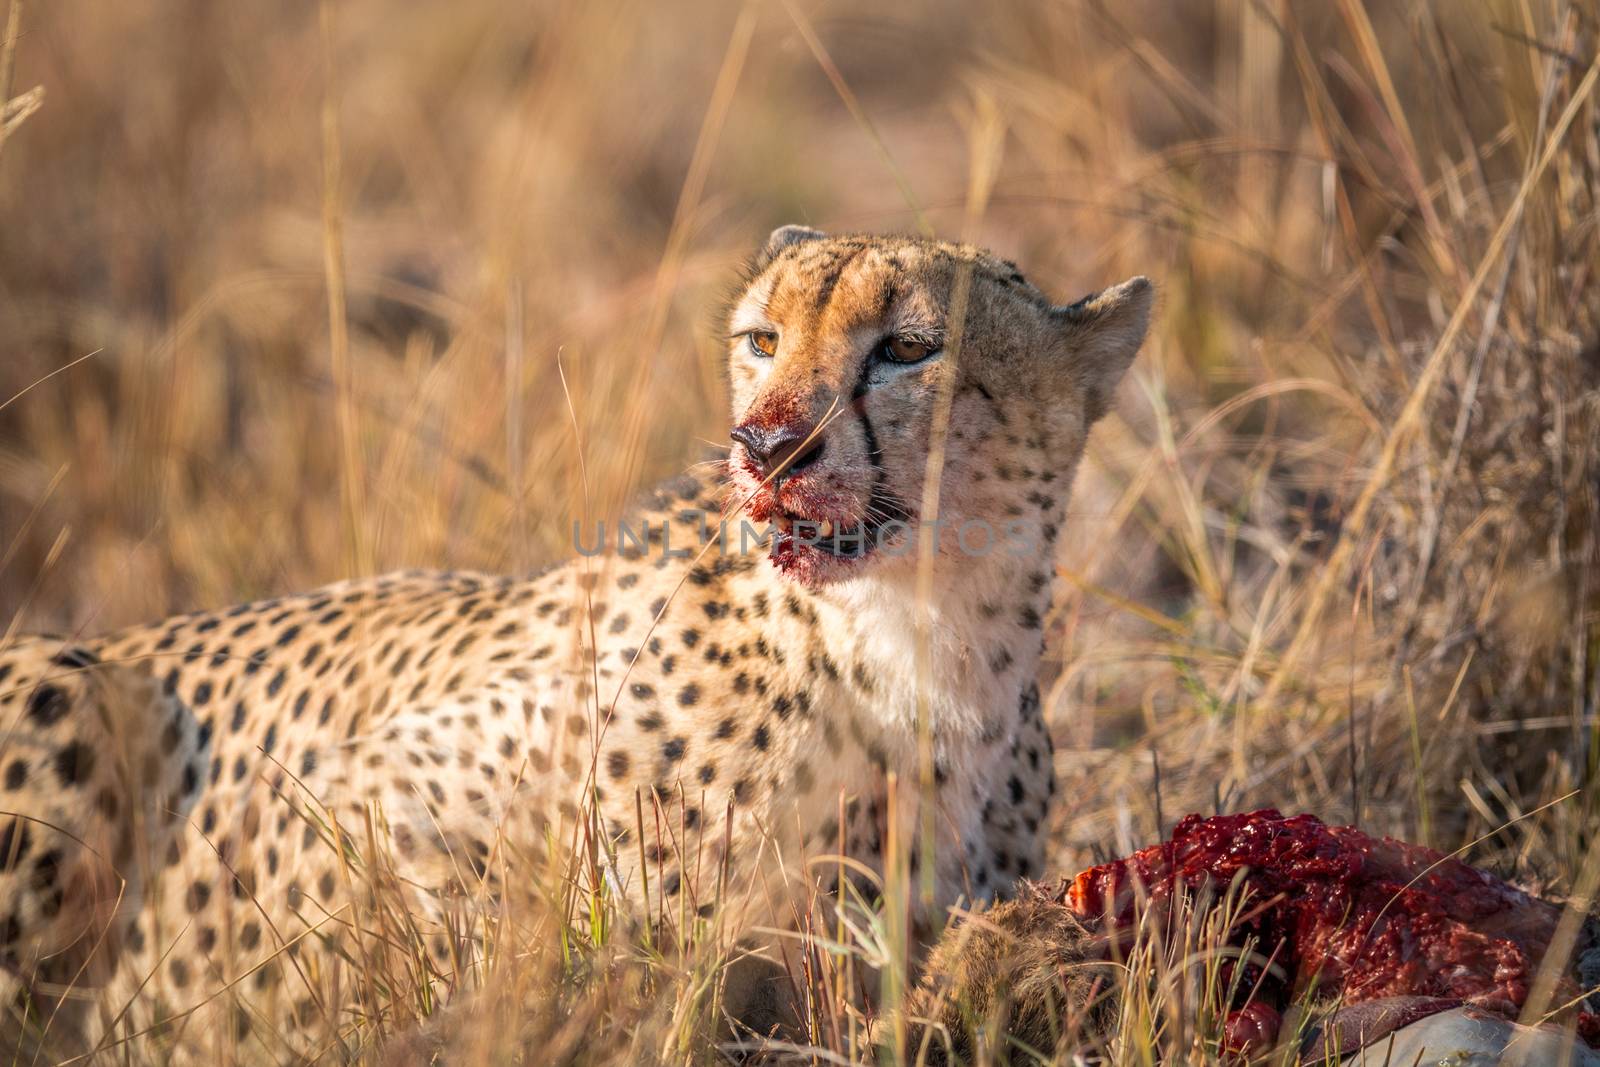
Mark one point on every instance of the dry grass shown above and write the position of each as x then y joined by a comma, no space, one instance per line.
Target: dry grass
1336,551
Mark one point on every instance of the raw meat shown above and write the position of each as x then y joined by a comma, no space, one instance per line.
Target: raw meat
1347,916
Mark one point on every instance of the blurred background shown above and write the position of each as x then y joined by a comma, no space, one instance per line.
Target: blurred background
1335,550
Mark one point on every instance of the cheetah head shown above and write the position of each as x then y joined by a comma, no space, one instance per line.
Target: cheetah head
844,354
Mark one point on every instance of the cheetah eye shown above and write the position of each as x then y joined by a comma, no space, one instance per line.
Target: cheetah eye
763,343
904,350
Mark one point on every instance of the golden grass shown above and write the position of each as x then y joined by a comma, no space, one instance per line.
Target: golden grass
367,285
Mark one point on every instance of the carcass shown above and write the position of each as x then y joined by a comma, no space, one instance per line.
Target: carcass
1373,947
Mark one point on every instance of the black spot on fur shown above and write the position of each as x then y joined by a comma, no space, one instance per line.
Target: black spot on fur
74,762
46,869
15,840
75,658
47,705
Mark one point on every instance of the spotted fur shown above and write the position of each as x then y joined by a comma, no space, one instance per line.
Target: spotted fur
194,808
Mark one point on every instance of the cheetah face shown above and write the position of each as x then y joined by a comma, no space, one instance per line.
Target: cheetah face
845,354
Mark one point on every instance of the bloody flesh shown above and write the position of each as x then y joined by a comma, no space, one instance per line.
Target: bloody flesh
1346,915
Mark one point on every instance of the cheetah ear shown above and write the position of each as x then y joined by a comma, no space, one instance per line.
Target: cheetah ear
1101,334
782,238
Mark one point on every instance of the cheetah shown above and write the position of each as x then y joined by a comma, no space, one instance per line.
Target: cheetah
191,810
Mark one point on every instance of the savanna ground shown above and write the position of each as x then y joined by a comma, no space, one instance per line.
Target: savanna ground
291,292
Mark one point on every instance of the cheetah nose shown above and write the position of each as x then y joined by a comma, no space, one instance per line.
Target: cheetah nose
779,449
